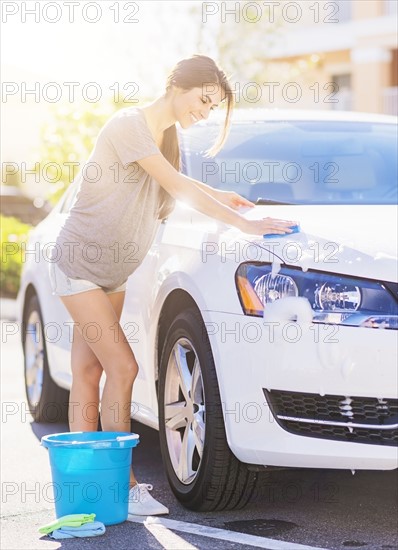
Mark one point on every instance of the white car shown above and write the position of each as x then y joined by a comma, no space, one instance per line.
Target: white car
254,352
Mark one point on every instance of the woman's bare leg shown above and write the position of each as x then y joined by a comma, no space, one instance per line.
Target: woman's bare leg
84,392
99,344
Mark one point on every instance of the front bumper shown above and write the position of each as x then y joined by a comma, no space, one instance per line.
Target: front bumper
356,367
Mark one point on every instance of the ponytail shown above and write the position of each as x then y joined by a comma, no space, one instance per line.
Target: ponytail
170,147
171,151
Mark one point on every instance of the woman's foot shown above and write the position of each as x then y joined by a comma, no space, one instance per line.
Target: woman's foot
141,503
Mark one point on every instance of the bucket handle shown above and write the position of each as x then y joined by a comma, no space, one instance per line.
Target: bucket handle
127,437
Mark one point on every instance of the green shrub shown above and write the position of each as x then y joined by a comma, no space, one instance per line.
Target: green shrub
13,233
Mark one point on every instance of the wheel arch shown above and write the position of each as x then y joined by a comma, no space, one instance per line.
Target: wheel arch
177,301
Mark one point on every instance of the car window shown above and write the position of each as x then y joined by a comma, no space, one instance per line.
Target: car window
303,162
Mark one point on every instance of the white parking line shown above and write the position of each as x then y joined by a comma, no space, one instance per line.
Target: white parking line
221,534
167,539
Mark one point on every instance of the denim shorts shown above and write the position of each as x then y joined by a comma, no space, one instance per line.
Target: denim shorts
62,285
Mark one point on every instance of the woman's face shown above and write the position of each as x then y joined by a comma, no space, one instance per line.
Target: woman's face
195,104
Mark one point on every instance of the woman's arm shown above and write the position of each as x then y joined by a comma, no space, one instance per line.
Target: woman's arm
206,188
180,187
229,198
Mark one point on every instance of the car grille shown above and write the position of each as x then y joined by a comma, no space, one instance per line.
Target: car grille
338,417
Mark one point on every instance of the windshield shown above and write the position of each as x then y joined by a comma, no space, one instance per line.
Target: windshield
300,162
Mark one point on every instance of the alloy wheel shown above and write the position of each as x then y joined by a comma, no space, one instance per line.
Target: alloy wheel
184,410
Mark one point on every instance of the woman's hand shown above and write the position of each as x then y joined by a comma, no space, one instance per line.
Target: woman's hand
231,199
266,226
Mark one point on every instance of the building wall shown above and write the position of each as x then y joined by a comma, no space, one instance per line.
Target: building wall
357,46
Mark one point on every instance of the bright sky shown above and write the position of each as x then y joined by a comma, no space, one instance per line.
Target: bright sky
103,50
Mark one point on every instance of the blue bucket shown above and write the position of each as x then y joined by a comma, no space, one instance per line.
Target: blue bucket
91,473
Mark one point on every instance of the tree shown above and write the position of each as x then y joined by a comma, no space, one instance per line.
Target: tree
238,35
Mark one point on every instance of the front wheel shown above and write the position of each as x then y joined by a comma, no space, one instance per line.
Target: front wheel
201,469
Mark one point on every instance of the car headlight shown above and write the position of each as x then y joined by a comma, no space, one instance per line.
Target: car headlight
334,299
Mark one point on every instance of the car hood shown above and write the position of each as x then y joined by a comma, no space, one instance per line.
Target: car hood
348,239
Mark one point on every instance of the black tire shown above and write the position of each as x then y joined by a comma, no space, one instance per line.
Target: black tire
221,481
46,400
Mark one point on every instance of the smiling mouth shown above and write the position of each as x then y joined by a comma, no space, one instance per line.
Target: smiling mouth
194,118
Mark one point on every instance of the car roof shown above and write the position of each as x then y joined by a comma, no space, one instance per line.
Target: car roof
264,115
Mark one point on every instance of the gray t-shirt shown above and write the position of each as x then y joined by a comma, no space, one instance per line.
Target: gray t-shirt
118,207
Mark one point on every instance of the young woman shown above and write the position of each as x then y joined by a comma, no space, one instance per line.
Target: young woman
133,184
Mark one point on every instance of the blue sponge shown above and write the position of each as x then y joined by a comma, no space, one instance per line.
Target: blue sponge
294,228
